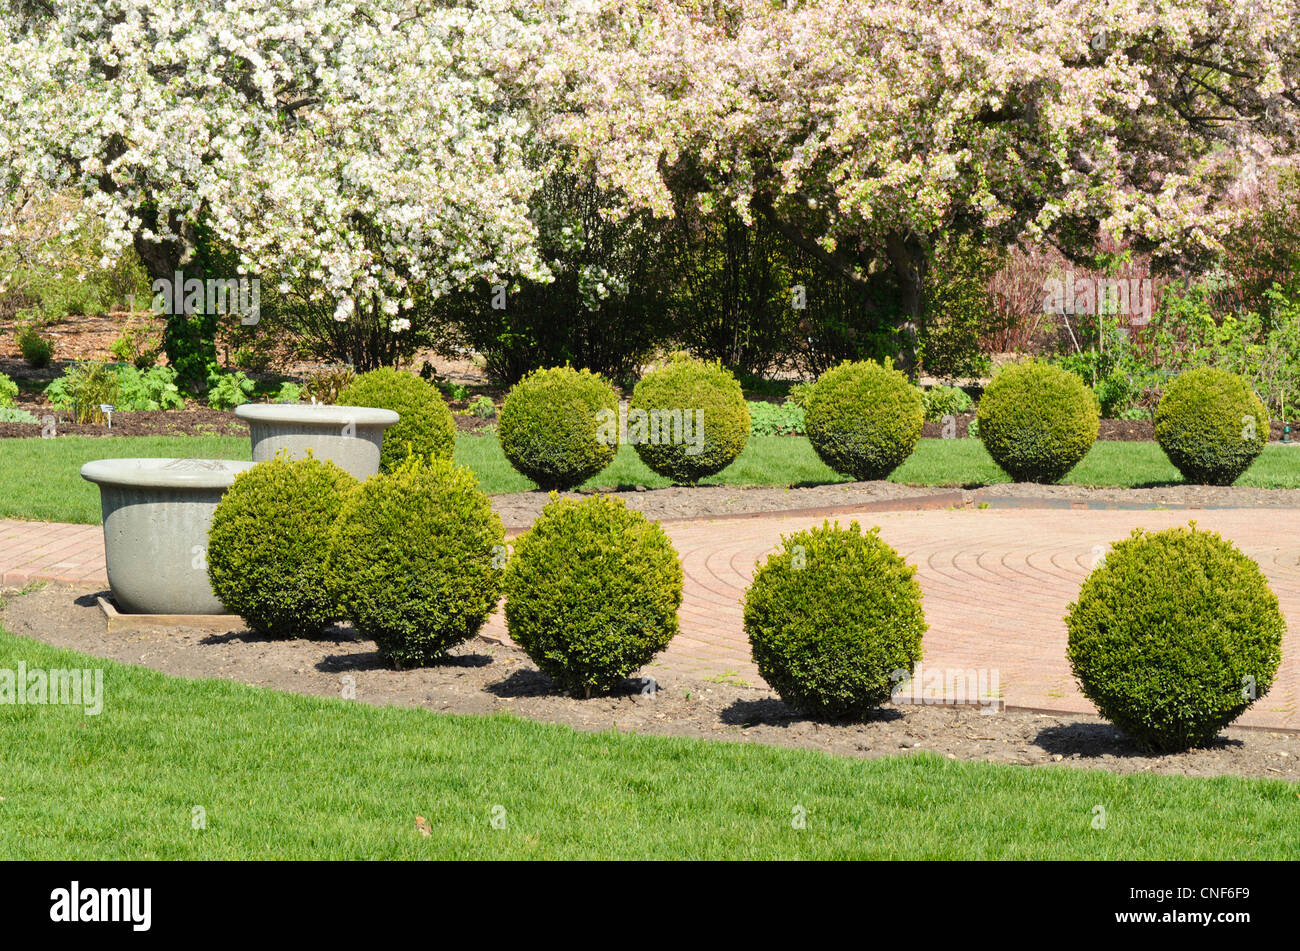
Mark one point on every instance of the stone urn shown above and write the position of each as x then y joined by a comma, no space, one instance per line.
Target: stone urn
349,436
157,513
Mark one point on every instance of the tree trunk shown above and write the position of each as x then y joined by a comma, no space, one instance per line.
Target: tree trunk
189,337
908,257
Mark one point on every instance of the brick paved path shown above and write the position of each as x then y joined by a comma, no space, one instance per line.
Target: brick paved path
996,585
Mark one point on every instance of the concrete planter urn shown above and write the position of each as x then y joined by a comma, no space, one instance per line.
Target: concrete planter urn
157,513
349,436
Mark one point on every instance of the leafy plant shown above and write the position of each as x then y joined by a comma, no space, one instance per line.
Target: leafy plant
83,388
289,392
8,392
152,389
228,390
455,392
138,346
324,386
769,419
941,401
483,408
12,414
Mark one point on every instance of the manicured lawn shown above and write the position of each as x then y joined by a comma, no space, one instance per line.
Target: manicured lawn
39,477
284,776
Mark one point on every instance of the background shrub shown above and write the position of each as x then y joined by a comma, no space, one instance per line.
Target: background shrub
268,548
864,419
1174,636
37,351
426,427
831,617
550,426
414,559
11,414
1211,425
720,413
1037,421
592,592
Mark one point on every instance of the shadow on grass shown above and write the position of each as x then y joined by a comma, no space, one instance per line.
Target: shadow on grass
1093,740
772,712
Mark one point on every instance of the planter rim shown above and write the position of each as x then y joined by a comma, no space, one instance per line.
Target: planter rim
165,473
324,414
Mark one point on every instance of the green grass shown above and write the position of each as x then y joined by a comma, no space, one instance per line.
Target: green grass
39,477
284,776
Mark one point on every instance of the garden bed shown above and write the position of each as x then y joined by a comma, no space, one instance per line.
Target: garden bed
484,676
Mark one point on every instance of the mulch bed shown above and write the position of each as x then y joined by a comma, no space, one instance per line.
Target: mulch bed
193,420
483,676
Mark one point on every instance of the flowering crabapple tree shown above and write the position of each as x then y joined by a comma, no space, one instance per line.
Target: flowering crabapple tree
368,149
866,131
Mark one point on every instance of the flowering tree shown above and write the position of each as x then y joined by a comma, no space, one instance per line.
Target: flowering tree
865,131
366,148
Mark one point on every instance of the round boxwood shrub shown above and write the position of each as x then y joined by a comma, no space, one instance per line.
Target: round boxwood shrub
592,592
832,617
1037,421
559,426
416,559
1174,635
688,419
1211,426
863,419
268,547
426,427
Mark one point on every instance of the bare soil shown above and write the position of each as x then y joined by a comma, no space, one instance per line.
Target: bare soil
484,676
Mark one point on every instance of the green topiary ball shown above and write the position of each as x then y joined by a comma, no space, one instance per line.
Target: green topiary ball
832,617
592,592
1037,421
863,419
559,427
268,547
688,419
426,427
416,559
1174,636
1211,426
